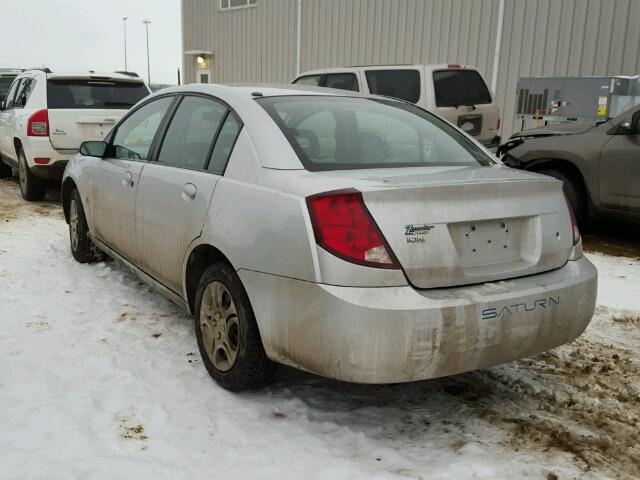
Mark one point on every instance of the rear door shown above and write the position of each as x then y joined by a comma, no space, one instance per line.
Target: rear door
461,96
176,188
6,122
114,180
82,109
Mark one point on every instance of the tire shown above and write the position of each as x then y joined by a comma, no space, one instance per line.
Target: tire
5,170
82,247
227,333
31,187
574,193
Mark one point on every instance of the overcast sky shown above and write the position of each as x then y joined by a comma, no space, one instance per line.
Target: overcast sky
82,35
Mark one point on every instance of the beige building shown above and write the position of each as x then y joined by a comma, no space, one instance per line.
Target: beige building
272,40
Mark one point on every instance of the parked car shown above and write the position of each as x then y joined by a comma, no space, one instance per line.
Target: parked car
7,75
455,92
360,238
46,116
599,163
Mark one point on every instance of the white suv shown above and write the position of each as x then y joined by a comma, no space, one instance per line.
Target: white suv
457,93
46,116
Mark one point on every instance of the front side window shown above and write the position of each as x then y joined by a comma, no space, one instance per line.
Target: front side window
402,84
459,87
89,93
135,135
339,133
312,80
191,133
342,81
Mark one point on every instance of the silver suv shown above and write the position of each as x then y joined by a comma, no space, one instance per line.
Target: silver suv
357,237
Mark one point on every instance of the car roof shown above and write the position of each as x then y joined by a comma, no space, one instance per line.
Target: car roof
84,75
258,90
429,66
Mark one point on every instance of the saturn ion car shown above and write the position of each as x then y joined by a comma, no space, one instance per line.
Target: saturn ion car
356,237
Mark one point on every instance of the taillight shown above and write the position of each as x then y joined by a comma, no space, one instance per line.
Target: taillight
343,226
454,65
38,124
574,224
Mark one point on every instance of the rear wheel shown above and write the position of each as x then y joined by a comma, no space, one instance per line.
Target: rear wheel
31,187
82,247
227,333
574,193
5,170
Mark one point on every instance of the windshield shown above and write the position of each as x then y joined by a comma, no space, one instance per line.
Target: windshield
5,83
459,87
337,133
94,93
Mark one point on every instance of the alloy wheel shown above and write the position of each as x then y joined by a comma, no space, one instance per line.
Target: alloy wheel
73,225
220,326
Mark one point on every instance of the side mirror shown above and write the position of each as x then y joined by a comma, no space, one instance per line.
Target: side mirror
94,149
630,127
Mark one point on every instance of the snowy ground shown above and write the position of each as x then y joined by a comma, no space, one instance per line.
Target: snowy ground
100,378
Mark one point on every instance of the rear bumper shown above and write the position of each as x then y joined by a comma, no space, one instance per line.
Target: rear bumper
399,334
51,171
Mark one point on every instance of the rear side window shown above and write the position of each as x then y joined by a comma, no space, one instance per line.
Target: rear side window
224,144
402,84
191,133
343,81
5,84
11,94
135,135
460,87
313,80
345,133
24,92
89,93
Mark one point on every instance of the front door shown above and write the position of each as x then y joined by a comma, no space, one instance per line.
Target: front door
176,188
116,178
620,172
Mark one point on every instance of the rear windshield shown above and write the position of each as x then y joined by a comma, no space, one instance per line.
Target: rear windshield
94,94
459,87
339,133
5,83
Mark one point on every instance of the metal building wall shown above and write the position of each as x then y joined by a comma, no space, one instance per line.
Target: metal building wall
256,44
539,38
565,38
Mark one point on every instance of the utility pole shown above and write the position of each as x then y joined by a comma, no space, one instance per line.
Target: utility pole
147,22
124,23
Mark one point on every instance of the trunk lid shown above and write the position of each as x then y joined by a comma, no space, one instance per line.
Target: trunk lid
68,128
471,225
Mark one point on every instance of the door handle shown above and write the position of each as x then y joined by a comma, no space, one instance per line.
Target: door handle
127,178
189,190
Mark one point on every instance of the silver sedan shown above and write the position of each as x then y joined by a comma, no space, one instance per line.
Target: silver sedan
360,238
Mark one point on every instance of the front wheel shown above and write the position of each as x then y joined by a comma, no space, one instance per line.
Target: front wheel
227,332
31,187
82,247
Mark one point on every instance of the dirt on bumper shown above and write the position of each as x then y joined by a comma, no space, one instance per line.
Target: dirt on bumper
398,334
